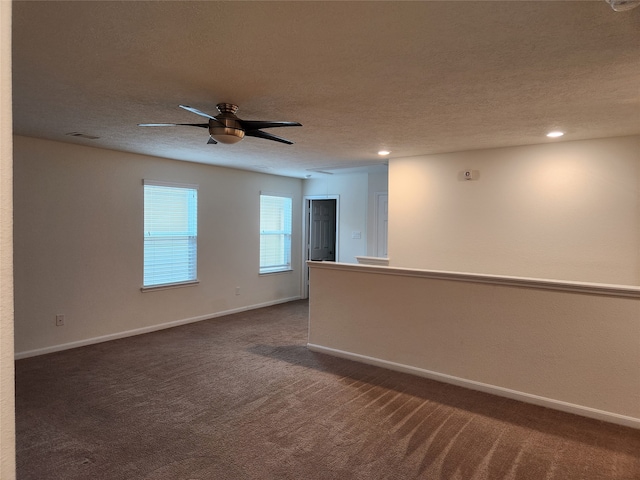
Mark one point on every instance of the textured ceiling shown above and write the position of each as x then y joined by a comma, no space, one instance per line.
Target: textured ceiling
412,77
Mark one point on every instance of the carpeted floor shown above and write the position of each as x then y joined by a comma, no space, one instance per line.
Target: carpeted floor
240,397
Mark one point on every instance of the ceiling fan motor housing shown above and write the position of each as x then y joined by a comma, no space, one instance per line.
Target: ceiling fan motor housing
226,128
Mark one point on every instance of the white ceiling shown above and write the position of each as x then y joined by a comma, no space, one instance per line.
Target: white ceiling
412,77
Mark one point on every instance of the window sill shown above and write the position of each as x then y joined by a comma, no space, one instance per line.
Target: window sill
276,272
169,286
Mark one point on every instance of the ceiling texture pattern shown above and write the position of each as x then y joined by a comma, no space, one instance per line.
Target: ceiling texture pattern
412,77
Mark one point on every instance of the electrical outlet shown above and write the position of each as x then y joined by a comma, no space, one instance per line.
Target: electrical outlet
59,320
237,290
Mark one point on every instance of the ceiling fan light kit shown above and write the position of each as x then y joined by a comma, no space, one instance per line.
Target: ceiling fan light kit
227,128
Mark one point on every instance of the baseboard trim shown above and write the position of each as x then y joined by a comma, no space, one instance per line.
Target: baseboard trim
484,387
143,330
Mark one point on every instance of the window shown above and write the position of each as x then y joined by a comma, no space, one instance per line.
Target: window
275,233
170,234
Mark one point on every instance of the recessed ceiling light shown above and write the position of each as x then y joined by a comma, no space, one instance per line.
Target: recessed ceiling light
384,152
555,134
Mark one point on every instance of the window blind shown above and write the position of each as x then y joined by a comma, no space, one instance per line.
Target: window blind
275,233
170,233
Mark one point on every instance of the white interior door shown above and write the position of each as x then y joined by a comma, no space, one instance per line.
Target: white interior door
382,224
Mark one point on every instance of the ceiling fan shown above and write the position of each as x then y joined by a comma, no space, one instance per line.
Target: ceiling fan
227,128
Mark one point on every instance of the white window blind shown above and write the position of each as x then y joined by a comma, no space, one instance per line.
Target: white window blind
275,233
170,233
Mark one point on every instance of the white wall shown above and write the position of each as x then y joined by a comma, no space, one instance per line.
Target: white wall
568,211
7,403
352,189
78,243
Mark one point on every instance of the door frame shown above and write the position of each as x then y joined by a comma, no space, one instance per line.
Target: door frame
306,222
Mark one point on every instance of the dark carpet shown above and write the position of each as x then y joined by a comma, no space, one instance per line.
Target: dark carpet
240,397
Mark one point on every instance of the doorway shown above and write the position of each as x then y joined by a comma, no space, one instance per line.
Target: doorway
321,232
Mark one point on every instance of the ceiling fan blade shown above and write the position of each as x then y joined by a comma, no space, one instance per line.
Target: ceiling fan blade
198,112
267,136
211,141
258,124
202,125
